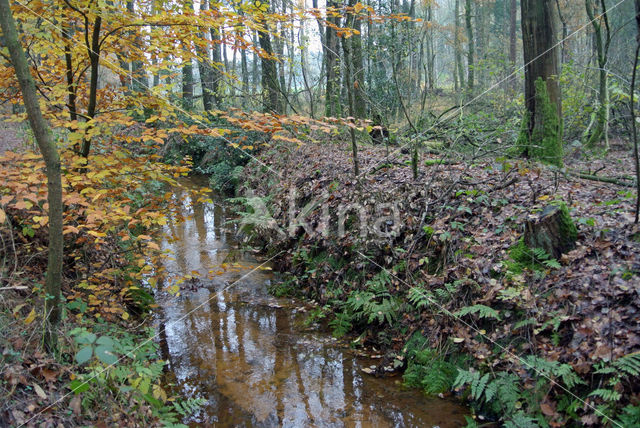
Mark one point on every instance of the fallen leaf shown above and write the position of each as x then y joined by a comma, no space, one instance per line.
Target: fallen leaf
39,391
76,405
29,319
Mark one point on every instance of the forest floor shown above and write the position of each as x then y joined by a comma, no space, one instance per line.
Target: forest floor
447,269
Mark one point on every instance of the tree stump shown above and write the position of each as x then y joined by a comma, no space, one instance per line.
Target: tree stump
553,231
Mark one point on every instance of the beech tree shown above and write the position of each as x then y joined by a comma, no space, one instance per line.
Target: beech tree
541,132
49,151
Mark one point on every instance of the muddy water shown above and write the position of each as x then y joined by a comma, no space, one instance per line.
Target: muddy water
250,356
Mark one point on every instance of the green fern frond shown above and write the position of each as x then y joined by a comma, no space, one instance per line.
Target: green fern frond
521,420
523,323
629,364
420,297
341,324
606,394
482,311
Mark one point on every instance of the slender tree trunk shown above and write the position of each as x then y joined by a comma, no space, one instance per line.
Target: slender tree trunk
564,52
304,67
139,81
270,86
49,152
512,44
470,48
600,130
68,59
94,61
458,46
187,67
216,59
332,68
634,127
205,67
357,67
346,47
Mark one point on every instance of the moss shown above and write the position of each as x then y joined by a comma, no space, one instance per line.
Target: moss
522,143
568,229
545,141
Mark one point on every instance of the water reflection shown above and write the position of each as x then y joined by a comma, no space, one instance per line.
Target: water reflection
244,352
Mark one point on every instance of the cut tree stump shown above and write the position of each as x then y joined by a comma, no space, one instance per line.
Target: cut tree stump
553,231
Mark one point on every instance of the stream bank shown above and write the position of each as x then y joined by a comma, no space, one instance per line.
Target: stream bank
393,261
252,357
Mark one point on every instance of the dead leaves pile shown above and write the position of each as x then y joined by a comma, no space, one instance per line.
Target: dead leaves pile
457,222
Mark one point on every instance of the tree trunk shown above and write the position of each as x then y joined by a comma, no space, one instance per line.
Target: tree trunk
458,46
332,68
270,86
512,44
346,46
470,48
139,81
206,69
357,67
600,130
49,152
541,134
216,59
632,102
187,67
553,231
94,61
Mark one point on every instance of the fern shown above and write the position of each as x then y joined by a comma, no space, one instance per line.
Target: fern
482,311
189,406
521,420
606,394
554,369
341,324
474,380
630,416
528,321
629,364
420,298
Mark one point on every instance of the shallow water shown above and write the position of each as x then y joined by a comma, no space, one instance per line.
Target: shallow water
250,355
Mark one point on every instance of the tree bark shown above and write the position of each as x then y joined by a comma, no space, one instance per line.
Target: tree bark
512,44
332,68
458,46
634,127
49,152
600,130
270,86
541,135
470,48
187,67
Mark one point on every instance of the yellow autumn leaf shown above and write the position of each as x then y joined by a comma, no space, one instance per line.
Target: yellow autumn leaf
3,216
29,319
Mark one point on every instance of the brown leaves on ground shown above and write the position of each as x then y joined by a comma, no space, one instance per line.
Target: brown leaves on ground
584,312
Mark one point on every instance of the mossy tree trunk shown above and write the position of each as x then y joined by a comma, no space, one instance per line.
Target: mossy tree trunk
541,134
600,129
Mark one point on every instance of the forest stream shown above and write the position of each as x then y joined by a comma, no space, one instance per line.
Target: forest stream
250,355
